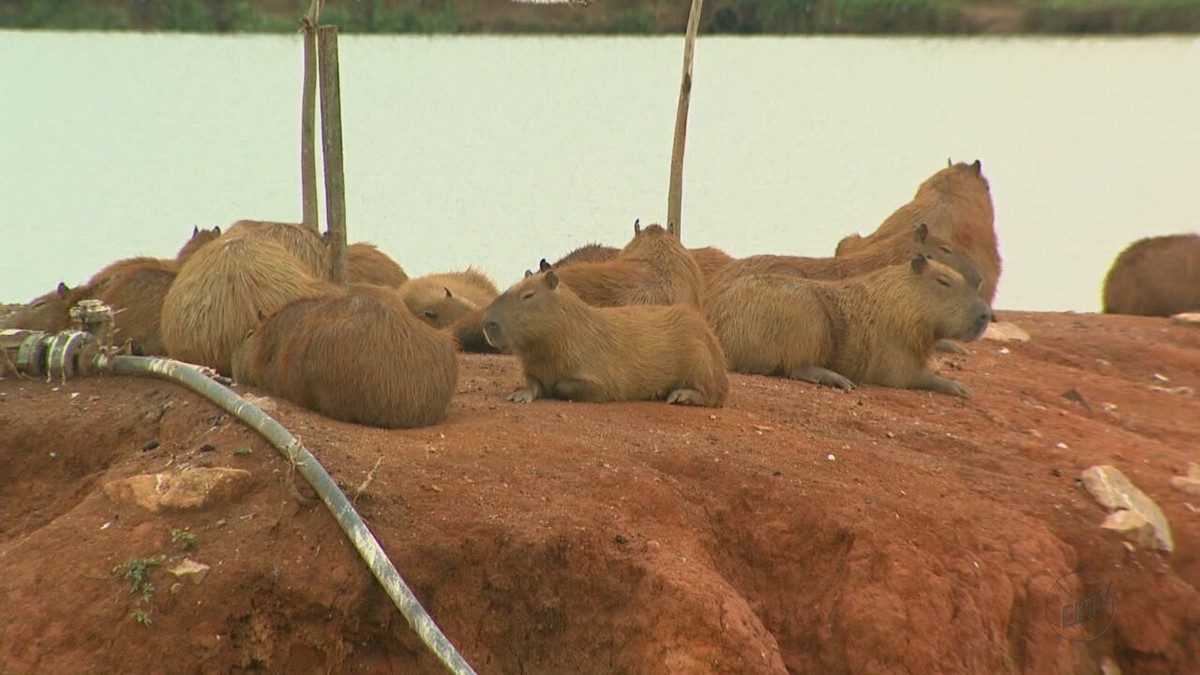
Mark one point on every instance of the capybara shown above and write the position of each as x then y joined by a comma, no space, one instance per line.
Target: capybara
652,269
588,253
711,261
366,264
356,355
878,328
221,292
199,238
468,333
571,350
1156,276
956,204
136,293
48,312
305,243
443,298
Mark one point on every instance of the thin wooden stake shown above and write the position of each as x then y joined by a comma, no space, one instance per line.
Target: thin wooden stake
331,147
675,193
308,114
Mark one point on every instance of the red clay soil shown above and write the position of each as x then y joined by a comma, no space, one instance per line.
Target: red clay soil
799,529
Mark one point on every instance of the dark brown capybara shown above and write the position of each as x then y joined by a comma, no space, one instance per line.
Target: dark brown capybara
956,204
588,253
222,291
468,333
136,295
1155,276
366,264
443,298
356,355
878,328
571,350
305,243
199,238
48,312
652,269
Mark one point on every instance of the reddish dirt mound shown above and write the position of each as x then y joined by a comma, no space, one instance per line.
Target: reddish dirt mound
799,529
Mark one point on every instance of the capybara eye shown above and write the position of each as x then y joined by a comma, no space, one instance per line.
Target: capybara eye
527,295
431,314
947,250
943,281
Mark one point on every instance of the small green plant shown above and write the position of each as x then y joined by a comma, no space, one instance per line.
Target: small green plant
137,570
184,539
242,450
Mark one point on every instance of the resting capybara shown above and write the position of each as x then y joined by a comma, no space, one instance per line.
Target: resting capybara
956,204
571,350
711,261
305,243
136,295
878,328
441,299
48,312
356,355
588,253
468,333
366,264
1156,276
199,238
221,292
652,269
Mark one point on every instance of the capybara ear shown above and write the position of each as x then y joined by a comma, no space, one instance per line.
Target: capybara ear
921,233
551,279
261,318
528,273
949,162
543,265
217,230
637,226
919,263
195,230
978,166
63,289
448,293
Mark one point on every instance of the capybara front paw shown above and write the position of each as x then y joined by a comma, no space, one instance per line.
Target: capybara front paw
687,397
526,395
818,375
950,347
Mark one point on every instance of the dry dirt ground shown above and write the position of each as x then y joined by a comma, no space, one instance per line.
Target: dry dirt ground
799,529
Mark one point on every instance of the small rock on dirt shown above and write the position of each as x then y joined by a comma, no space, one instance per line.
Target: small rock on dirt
1005,331
192,488
1115,492
190,570
1190,318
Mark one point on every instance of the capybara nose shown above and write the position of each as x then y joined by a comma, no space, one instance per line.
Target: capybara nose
491,327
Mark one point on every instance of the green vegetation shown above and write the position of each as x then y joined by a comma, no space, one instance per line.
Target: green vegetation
137,570
616,16
184,539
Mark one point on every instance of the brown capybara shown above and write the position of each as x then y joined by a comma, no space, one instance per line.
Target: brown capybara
221,292
443,298
956,204
711,261
48,312
1156,276
588,253
652,269
199,238
468,333
305,243
571,350
366,264
356,355
136,294
878,328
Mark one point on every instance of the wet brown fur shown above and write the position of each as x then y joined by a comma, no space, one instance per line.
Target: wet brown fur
569,349
366,264
427,298
878,328
305,243
956,204
222,291
1156,276
356,355
652,269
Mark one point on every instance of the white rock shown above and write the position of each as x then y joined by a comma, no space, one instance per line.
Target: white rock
1005,331
1116,492
1192,318
189,569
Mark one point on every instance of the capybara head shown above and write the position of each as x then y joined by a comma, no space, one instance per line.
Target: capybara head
955,177
525,313
437,306
940,298
647,240
588,253
199,238
934,248
49,312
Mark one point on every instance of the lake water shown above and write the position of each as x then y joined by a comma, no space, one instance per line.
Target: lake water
498,151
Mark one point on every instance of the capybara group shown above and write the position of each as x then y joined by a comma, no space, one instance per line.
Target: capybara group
571,350
222,292
956,204
305,243
652,269
356,355
442,299
1156,276
878,328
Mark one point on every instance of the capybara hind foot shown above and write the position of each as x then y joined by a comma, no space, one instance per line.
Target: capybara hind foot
927,380
950,347
533,390
819,375
689,397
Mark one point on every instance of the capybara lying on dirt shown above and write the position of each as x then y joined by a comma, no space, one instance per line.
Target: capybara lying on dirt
956,204
366,264
652,269
442,299
356,355
223,290
878,328
571,350
1156,276
199,238
48,312
305,243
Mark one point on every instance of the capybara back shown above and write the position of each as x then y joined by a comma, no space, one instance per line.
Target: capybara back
303,242
368,265
1156,276
652,269
356,355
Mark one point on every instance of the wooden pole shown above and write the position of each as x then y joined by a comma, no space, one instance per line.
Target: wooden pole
308,114
331,148
675,193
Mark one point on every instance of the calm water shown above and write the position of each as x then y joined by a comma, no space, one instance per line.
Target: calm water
499,151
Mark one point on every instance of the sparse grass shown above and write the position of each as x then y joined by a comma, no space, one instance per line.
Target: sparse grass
137,570
184,539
